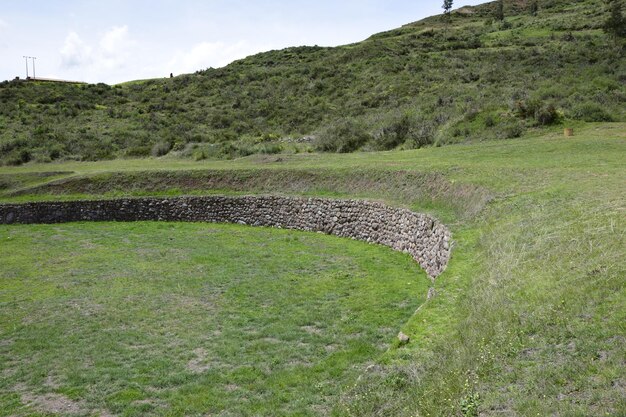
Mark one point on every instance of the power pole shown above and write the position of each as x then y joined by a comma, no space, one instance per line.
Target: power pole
26,59
34,58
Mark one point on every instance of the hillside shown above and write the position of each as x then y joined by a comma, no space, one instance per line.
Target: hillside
430,82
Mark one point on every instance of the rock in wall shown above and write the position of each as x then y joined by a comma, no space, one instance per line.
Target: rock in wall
423,237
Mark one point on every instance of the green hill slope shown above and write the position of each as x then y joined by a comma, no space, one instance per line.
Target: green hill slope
430,82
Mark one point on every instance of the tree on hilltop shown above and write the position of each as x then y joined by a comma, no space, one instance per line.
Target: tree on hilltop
500,10
534,8
447,7
615,24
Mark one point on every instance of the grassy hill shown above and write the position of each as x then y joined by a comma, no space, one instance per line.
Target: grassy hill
435,81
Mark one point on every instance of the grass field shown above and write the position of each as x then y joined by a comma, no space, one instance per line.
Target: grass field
529,319
132,319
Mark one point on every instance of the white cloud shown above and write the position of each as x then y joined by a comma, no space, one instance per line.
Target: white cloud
114,41
104,60
3,24
75,52
115,48
210,54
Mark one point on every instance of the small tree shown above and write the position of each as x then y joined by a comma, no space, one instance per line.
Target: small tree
500,10
447,6
615,24
534,8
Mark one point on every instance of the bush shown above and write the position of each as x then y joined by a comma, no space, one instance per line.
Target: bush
547,115
511,131
590,112
422,134
18,158
271,149
343,137
199,155
526,108
394,134
137,151
161,148
55,152
544,114
235,150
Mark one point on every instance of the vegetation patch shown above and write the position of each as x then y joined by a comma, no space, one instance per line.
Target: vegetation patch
477,74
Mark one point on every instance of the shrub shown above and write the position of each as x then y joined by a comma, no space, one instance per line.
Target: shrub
394,134
511,130
19,158
179,146
235,150
24,156
534,8
505,25
590,112
547,115
55,152
272,148
422,134
199,155
544,114
344,136
161,148
137,151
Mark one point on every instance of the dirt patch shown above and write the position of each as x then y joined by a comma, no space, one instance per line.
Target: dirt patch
6,342
53,403
198,364
312,330
86,307
51,382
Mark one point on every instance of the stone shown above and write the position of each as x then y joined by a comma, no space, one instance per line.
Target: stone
404,339
432,293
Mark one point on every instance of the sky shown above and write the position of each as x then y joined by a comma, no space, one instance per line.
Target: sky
114,41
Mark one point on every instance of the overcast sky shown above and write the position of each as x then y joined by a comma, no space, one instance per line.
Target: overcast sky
113,41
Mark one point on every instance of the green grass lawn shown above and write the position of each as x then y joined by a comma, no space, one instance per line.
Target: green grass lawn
529,318
192,319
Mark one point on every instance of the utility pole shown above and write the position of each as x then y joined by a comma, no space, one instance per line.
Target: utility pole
26,59
34,58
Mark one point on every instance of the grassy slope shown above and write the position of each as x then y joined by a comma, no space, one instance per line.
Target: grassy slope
425,82
529,317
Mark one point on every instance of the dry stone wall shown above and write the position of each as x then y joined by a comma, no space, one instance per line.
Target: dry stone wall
423,237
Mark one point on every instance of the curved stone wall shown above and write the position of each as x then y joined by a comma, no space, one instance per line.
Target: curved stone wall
420,235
